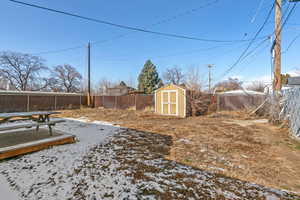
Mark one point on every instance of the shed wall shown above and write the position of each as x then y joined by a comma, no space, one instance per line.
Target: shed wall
181,100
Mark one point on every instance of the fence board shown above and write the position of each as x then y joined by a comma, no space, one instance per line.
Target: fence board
13,103
125,102
67,102
139,102
239,102
29,101
37,103
109,102
144,101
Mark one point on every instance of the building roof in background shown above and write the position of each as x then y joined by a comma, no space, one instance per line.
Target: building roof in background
294,80
241,92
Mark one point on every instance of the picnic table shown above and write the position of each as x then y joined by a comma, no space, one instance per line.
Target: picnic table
39,118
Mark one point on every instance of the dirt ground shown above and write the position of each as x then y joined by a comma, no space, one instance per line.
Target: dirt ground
228,143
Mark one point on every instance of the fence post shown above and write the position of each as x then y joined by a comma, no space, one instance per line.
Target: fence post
103,101
55,102
116,102
218,103
28,103
135,101
80,101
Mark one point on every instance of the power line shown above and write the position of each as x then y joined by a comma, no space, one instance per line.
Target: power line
250,43
126,26
291,44
166,20
284,23
59,50
257,11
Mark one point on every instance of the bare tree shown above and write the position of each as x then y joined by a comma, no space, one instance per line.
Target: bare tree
193,80
65,78
174,75
258,86
22,70
230,84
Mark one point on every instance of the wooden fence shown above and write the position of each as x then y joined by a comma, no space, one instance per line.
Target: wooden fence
138,102
238,102
14,101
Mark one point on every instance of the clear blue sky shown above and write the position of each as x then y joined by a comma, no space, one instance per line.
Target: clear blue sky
31,30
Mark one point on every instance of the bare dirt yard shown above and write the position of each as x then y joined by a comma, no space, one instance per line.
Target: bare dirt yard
227,143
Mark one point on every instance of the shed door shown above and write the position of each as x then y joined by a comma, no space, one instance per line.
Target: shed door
169,103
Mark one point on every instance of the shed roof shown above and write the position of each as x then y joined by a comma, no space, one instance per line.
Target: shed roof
178,86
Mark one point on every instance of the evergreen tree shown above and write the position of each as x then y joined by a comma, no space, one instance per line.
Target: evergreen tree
148,78
122,83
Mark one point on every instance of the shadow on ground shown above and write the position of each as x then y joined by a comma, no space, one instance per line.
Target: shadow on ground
141,157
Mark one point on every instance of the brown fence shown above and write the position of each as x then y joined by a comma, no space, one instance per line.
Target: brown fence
138,102
239,102
35,101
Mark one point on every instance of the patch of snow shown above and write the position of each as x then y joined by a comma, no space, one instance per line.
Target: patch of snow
47,174
5,190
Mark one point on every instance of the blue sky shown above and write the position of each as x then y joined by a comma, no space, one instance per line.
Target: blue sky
31,30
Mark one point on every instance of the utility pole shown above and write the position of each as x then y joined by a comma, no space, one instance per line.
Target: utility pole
276,51
209,77
89,75
277,47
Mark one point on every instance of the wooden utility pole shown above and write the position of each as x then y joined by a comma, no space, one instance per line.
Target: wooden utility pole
89,75
209,77
277,47
276,50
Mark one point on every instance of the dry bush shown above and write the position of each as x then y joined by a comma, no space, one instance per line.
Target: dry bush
149,109
258,86
199,103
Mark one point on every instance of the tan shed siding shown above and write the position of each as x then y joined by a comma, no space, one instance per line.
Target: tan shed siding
158,102
181,99
181,104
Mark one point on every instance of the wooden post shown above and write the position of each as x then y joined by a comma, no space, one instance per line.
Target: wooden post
55,102
80,101
28,103
89,75
277,47
135,101
275,101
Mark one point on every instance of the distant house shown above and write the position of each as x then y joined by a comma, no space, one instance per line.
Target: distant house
119,90
293,81
4,84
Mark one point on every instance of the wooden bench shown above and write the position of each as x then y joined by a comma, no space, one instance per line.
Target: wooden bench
34,124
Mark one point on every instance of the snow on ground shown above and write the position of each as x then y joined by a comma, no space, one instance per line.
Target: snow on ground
110,162
5,190
49,174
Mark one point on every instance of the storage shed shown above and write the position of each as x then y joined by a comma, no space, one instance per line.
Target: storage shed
172,100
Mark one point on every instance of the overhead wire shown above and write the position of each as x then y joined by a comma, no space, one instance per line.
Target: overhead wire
166,20
126,26
291,44
250,43
257,11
